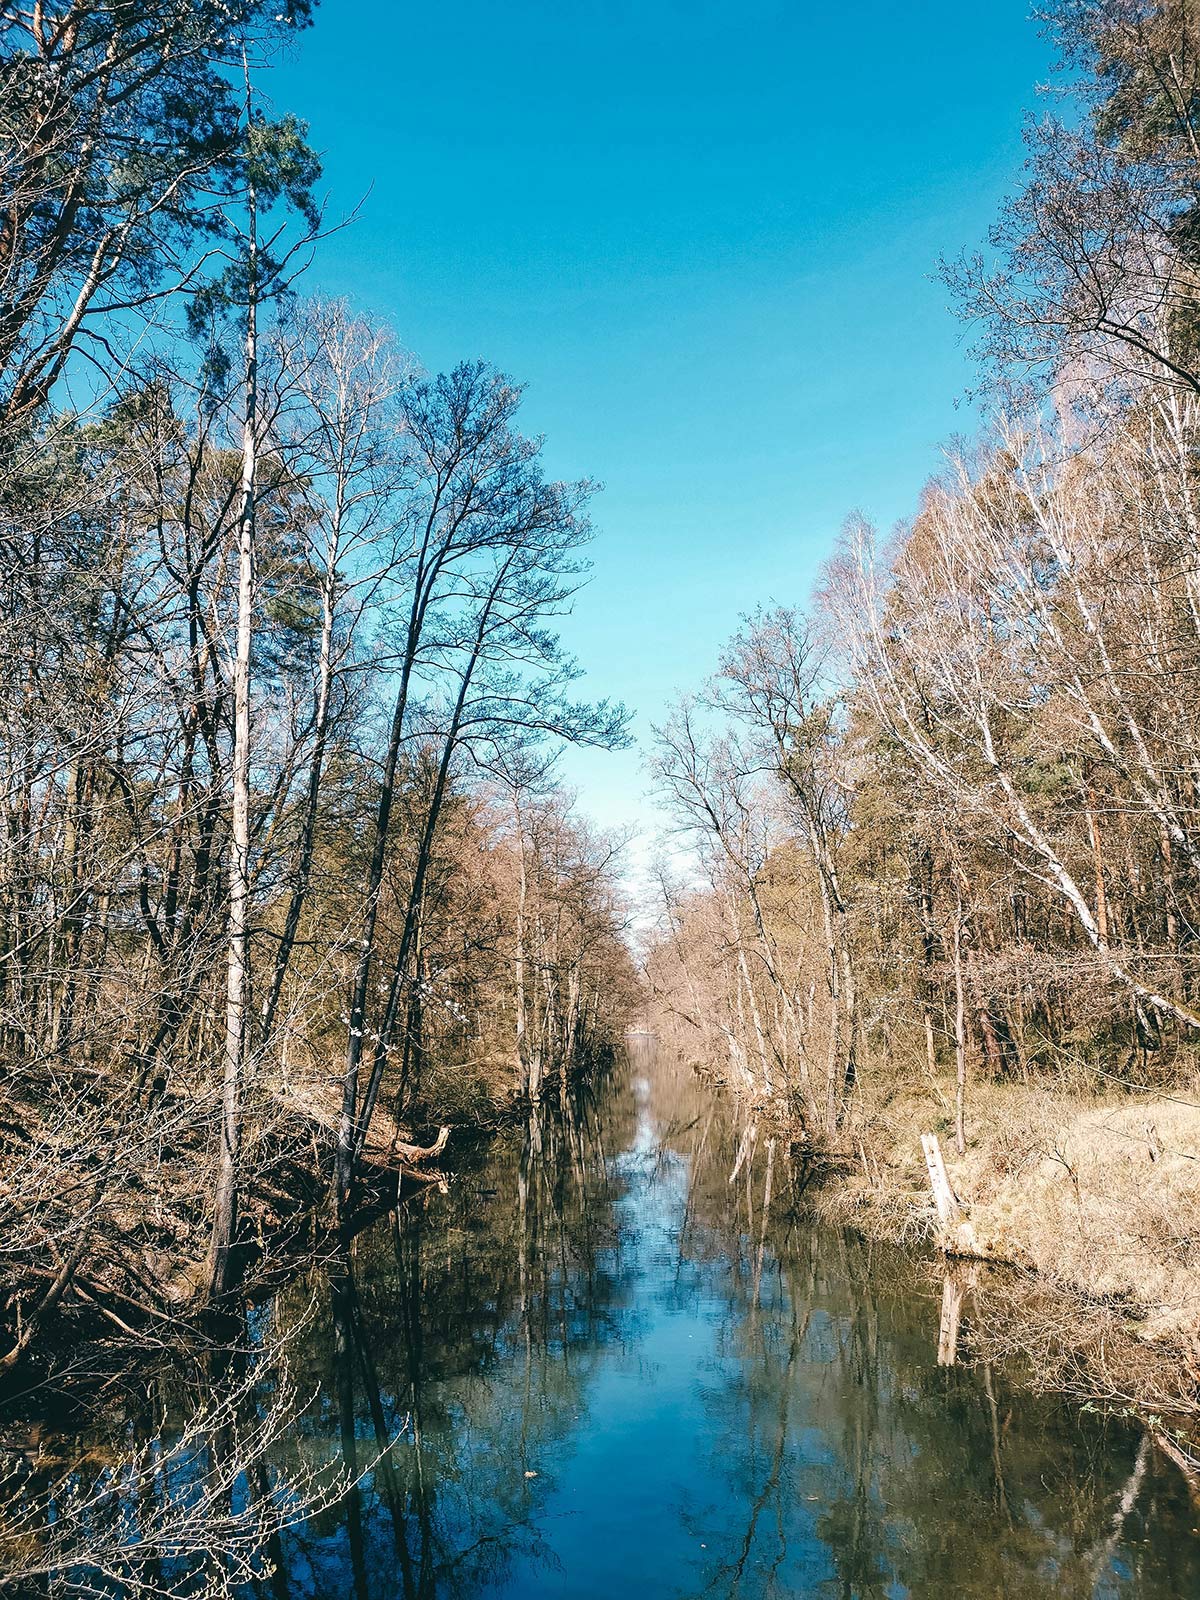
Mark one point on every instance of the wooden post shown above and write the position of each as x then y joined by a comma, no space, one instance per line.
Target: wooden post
948,1209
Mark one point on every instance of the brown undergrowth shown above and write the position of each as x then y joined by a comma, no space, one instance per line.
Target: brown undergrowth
1085,1205
108,1205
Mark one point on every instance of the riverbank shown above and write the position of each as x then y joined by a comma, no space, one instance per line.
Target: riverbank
132,1273
1088,1206
592,1357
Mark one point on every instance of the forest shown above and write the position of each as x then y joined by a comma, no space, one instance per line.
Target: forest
284,873
935,838
350,1083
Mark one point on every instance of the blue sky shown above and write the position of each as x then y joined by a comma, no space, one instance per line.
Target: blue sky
704,235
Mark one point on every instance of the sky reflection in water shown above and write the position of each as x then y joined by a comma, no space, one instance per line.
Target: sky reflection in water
611,1370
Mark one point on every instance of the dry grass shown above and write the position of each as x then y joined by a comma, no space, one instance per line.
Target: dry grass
1099,1197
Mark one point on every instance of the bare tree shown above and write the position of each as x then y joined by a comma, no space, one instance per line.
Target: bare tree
1092,265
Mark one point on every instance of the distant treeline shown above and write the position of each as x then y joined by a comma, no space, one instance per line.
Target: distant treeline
950,814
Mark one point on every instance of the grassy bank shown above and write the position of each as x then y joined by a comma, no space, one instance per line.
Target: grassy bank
1088,1205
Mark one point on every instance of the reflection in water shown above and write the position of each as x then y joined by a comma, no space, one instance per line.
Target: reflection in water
619,1356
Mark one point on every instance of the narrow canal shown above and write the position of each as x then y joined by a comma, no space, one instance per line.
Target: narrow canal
610,1370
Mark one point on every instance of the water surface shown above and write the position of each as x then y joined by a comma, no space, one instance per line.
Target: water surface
609,1370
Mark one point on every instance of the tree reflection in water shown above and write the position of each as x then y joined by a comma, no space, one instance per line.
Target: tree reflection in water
616,1354
620,1355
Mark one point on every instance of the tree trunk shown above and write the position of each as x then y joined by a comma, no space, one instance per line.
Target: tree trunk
960,1037
237,966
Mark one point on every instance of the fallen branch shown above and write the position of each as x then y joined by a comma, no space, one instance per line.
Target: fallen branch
416,1155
